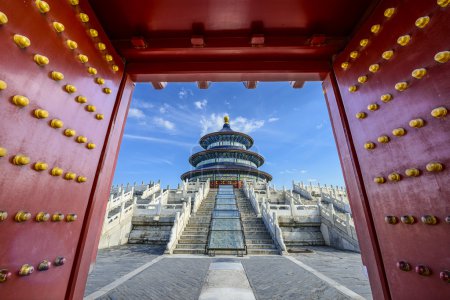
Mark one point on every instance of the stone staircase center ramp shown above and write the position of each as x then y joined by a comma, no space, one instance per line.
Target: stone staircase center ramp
226,232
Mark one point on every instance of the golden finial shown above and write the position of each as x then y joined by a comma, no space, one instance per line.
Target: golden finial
226,120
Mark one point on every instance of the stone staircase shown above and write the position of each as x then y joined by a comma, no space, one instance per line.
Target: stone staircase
195,235
257,238
297,236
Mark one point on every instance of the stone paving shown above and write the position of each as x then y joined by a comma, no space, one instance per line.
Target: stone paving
113,263
170,278
279,278
345,267
184,276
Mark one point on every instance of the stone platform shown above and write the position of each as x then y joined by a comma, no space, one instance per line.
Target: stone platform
143,272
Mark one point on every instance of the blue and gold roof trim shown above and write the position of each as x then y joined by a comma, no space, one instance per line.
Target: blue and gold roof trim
226,157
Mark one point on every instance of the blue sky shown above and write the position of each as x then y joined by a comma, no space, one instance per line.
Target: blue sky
291,129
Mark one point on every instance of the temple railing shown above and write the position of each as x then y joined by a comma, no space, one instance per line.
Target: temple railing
271,221
150,191
295,210
340,202
328,194
201,194
116,200
342,221
181,220
249,192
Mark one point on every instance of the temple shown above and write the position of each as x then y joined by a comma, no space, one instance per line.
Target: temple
226,159
67,77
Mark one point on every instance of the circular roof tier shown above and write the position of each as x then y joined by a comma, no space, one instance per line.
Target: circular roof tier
227,170
226,134
254,157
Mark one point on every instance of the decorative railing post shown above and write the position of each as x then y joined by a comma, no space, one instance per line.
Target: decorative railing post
159,206
347,224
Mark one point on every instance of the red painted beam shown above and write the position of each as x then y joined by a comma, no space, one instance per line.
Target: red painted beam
309,70
200,48
298,84
203,84
158,85
250,84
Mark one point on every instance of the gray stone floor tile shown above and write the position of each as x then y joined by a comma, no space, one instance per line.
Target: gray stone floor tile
278,278
168,279
113,263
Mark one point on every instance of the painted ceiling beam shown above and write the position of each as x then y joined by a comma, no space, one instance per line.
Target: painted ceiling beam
229,71
159,85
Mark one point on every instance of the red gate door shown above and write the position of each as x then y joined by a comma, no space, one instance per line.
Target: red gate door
393,81
59,81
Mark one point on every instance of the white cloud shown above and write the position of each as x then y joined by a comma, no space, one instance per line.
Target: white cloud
136,113
184,93
246,125
312,179
157,140
319,126
303,171
163,109
215,122
288,171
201,104
154,160
164,123
141,103
272,120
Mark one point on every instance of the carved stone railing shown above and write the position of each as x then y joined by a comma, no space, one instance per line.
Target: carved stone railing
342,221
295,210
341,203
250,194
271,221
150,191
302,191
328,194
181,220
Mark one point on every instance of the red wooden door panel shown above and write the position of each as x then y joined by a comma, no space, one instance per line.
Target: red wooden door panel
24,134
363,77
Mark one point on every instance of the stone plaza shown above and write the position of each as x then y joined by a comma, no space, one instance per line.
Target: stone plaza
226,233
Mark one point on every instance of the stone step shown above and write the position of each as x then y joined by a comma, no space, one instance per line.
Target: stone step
196,228
194,235
257,236
258,241
189,251
227,252
263,251
253,223
192,241
261,246
206,217
255,230
305,243
252,227
191,246
199,221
